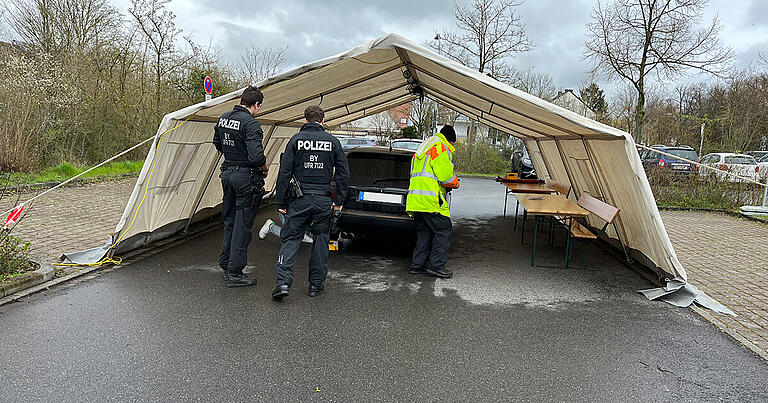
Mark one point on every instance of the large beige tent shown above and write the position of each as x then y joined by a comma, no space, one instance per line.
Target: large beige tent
179,183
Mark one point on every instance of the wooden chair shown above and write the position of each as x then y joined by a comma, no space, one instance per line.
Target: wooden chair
605,211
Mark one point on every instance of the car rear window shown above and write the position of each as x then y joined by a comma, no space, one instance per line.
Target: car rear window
379,169
408,145
687,154
740,160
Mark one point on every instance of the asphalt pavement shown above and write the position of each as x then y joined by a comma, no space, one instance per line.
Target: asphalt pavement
165,328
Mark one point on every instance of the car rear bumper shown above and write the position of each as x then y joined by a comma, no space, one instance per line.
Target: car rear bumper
367,221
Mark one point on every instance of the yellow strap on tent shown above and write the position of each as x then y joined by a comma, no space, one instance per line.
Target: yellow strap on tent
117,260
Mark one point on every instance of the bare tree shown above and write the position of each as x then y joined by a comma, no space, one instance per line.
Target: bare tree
422,110
384,126
489,33
534,83
158,25
56,26
258,63
635,39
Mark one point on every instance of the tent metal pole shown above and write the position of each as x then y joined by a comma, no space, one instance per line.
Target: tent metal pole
389,103
501,118
543,122
549,171
346,104
269,133
567,169
443,97
590,157
200,195
464,111
332,90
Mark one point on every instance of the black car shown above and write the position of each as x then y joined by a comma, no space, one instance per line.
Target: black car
378,186
521,163
654,160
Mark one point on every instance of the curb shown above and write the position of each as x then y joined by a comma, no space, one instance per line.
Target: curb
725,329
27,280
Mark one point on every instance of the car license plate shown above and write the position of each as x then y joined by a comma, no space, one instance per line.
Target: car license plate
680,167
381,197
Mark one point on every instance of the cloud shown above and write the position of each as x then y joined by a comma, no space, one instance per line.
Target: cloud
757,13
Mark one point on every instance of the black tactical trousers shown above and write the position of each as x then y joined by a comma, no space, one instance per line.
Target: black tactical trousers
306,211
239,206
433,239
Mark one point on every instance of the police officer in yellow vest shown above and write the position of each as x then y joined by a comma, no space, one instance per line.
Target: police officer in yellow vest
432,178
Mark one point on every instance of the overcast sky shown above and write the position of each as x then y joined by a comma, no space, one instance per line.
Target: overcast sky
315,29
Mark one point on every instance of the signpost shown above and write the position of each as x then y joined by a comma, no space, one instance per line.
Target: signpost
208,84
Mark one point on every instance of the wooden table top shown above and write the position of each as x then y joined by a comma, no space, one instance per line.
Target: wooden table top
527,187
550,204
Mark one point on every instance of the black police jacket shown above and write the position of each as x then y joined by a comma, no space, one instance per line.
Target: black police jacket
311,156
238,136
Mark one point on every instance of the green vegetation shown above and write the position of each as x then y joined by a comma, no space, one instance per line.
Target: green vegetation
485,159
692,191
65,171
14,256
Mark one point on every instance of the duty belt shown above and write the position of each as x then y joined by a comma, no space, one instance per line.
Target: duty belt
316,192
239,168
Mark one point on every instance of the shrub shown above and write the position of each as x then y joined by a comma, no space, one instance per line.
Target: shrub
14,255
484,159
692,191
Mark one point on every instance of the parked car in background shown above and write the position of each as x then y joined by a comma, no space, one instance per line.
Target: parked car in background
670,163
348,143
378,186
406,144
739,164
757,154
521,163
762,164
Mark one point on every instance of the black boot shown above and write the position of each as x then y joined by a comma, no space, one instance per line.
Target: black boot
315,290
442,273
239,280
280,292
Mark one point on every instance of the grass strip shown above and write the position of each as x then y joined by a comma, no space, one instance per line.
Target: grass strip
66,170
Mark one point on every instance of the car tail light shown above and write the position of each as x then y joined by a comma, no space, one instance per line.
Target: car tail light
757,168
661,162
724,167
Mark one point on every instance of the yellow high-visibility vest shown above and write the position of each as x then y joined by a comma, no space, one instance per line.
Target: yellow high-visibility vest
431,174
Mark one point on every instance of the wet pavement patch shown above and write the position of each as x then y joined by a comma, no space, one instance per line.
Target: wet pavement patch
166,328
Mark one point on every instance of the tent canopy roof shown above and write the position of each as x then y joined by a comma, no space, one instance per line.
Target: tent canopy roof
369,79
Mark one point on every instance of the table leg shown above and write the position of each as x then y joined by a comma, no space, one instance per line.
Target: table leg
568,244
506,194
517,205
535,231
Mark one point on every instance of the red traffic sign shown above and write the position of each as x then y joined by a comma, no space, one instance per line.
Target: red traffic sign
208,84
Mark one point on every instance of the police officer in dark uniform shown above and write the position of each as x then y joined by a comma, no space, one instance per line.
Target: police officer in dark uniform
309,159
238,137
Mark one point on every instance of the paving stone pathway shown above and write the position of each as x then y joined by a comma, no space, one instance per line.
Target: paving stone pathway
725,256
71,219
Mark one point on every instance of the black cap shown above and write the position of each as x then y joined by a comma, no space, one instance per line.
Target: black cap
449,133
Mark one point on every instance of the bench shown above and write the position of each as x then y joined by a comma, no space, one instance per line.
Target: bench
579,232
